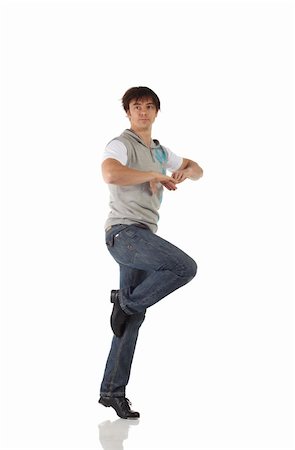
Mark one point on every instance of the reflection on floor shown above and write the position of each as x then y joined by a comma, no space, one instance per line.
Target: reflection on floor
112,434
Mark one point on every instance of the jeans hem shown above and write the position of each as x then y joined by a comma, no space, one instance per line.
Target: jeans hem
107,395
123,307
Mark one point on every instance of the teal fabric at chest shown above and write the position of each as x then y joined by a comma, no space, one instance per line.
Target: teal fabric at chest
161,156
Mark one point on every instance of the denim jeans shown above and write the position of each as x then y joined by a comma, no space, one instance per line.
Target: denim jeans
150,269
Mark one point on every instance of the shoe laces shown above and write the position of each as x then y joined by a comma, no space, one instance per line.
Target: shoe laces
126,403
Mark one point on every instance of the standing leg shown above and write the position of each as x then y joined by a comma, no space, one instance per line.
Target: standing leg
118,366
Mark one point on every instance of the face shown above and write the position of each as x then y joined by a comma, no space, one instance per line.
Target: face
142,113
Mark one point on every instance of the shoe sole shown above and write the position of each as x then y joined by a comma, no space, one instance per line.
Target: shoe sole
107,404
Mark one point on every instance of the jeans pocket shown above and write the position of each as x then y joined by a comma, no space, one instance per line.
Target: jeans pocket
111,235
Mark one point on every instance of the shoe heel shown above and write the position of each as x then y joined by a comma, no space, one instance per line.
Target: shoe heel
104,402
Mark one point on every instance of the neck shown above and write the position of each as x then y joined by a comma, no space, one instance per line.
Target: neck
145,136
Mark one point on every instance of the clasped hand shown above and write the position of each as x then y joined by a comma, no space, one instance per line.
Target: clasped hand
168,182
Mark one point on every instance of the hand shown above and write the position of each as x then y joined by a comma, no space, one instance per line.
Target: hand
167,182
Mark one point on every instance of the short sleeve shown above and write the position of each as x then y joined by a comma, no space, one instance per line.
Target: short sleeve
173,161
116,150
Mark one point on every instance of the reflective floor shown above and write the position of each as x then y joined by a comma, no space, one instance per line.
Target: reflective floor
178,428
112,434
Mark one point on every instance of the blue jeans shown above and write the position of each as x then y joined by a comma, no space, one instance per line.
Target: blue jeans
150,269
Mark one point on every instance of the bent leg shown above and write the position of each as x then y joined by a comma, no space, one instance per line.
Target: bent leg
167,266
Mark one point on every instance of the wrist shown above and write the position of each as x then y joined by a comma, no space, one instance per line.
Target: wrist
154,175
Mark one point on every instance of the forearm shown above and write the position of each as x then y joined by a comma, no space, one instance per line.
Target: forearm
115,173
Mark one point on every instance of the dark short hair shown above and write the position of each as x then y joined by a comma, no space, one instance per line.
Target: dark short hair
137,93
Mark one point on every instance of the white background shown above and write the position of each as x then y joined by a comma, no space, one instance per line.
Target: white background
214,362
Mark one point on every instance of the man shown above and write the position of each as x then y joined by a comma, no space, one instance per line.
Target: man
134,166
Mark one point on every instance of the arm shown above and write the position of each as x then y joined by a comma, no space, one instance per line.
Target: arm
188,169
116,173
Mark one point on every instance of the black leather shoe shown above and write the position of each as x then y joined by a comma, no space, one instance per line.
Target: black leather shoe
121,405
118,317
